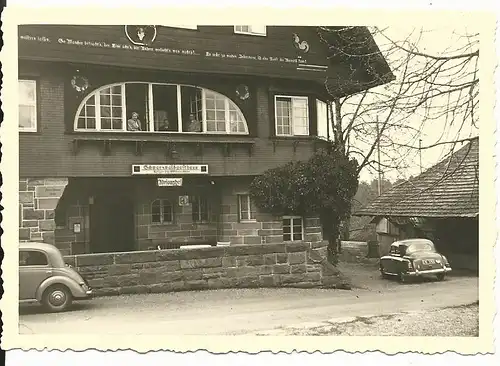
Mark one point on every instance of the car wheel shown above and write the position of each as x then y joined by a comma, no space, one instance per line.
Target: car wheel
57,298
440,276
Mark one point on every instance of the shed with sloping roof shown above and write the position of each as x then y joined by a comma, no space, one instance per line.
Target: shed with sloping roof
441,204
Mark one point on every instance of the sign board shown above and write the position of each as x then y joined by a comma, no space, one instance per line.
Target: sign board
169,169
169,182
183,200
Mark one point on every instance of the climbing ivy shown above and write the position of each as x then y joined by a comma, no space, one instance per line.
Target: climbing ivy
323,186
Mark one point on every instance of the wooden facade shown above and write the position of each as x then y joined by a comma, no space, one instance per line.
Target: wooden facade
248,73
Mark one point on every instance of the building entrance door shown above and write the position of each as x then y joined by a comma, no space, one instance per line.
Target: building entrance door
112,224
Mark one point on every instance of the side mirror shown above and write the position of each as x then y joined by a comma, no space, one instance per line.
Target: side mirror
402,250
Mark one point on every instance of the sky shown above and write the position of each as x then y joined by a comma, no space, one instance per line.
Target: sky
435,41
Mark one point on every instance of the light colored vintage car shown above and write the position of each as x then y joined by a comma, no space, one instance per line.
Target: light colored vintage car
413,258
45,278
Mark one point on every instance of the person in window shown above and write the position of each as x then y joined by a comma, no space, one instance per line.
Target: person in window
164,125
194,124
134,124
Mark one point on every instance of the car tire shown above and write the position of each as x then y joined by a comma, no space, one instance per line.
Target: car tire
440,276
57,298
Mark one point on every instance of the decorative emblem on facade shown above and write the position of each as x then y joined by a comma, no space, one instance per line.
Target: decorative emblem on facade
242,92
300,45
79,83
141,35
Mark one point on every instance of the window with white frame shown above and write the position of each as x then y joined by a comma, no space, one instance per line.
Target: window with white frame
246,207
325,121
162,211
257,30
291,115
200,209
155,107
27,106
293,228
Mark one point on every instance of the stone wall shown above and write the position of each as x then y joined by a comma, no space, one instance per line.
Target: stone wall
295,264
38,199
181,230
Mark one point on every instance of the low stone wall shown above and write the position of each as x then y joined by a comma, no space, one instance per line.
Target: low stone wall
295,264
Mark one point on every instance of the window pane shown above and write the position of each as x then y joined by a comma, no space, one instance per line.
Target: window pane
221,126
105,99
106,123
283,116
156,212
300,116
27,91
90,111
166,114
27,116
81,123
297,236
210,103
243,204
210,115
32,258
136,96
117,100
167,211
219,103
27,104
287,237
322,122
221,115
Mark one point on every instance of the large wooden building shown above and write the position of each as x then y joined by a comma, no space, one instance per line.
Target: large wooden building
134,137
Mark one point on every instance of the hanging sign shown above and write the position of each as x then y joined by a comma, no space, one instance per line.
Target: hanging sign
169,169
169,182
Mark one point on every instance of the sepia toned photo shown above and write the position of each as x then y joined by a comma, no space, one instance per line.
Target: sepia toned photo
214,180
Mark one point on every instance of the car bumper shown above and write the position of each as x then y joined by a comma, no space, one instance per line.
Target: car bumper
429,272
88,294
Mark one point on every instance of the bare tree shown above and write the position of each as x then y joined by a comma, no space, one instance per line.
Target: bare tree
430,91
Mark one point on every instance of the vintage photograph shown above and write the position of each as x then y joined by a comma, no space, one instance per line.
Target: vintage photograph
249,180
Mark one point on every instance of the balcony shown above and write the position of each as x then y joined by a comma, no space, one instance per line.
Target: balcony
140,140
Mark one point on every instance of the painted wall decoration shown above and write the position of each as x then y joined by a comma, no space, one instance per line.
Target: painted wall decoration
79,83
200,51
141,35
242,92
300,45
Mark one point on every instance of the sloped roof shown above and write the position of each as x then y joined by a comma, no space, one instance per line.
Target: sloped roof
358,62
448,189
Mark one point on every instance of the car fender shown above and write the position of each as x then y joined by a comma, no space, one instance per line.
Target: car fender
74,287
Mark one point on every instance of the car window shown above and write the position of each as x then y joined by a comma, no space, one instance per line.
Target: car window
394,250
32,258
420,247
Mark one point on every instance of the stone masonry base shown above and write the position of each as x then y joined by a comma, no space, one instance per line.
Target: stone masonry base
295,264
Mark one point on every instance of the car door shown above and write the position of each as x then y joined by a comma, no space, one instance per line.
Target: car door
33,270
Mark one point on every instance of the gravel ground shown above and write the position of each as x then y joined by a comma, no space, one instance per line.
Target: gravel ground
458,321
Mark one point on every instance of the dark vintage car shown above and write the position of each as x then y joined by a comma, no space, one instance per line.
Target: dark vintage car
45,278
413,258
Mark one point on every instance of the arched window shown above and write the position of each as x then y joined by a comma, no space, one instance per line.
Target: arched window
162,212
154,107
